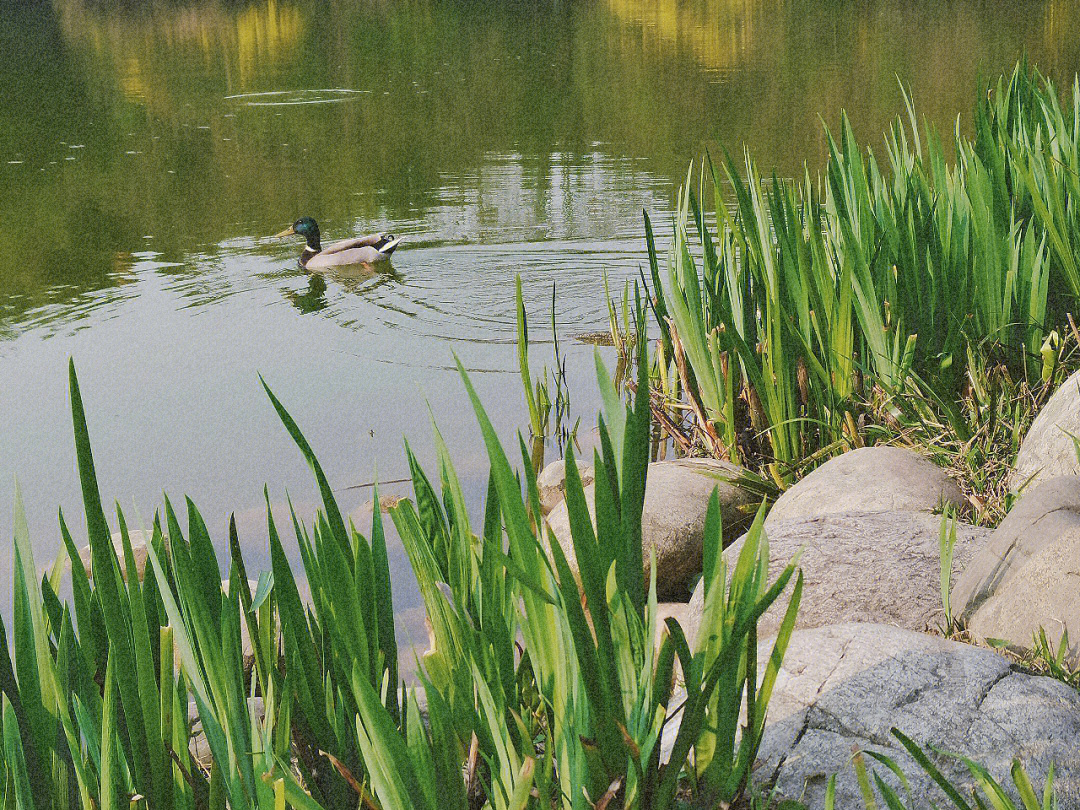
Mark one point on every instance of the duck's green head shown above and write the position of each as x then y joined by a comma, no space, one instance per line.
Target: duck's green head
307,228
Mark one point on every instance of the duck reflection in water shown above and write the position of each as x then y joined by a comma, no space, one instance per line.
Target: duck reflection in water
313,298
359,279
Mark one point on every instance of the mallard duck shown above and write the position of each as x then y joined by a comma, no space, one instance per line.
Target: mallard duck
361,250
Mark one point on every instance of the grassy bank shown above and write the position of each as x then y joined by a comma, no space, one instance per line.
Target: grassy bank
924,296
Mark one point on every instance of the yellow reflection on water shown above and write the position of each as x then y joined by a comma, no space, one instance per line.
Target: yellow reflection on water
716,32
725,34
257,39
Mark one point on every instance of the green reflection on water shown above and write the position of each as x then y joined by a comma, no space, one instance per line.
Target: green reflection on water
126,121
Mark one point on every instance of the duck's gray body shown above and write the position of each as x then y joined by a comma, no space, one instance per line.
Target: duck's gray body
362,250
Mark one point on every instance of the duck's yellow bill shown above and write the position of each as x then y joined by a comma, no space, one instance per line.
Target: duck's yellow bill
287,232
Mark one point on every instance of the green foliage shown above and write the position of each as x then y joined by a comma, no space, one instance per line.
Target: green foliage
946,545
580,713
988,791
540,692
985,792
96,711
539,397
821,313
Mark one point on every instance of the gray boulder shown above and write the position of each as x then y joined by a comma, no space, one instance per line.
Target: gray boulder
869,479
551,483
1026,577
1043,596
1041,515
1044,512
847,685
1048,450
878,567
673,521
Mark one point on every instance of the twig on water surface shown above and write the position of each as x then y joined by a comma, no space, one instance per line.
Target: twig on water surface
373,483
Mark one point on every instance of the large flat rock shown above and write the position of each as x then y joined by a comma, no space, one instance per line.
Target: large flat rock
869,479
848,685
878,567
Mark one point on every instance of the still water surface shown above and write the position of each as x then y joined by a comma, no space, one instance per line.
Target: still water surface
147,149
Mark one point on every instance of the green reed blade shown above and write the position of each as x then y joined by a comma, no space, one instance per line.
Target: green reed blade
107,584
333,512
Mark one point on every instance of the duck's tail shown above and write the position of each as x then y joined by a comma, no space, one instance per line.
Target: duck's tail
387,243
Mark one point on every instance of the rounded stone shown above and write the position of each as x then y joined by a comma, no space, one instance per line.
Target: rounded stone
139,540
551,483
869,479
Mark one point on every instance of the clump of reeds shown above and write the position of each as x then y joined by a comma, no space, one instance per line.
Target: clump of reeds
925,297
536,694
821,313
538,392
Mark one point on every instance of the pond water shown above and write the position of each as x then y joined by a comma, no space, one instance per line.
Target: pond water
148,149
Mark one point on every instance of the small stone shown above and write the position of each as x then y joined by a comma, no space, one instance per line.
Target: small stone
198,745
386,503
247,649
139,540
551,483
695,609
680,612
869,479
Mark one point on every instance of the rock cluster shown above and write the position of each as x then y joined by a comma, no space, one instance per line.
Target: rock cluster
1025,580
866,528
868,539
